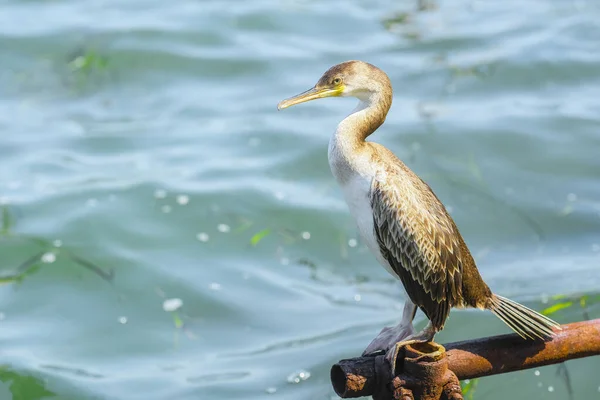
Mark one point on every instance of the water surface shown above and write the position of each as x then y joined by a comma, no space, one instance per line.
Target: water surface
142,160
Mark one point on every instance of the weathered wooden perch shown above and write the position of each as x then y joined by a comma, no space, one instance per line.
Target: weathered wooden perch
427,371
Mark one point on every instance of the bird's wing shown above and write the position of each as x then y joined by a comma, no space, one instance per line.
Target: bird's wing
420,241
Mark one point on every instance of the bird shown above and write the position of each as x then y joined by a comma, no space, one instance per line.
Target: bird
402,221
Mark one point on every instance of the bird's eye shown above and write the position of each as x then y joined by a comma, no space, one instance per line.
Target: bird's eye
337,81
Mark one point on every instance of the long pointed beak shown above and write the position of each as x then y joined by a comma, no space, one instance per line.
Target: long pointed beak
310,94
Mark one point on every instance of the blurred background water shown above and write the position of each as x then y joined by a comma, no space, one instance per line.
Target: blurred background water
167,234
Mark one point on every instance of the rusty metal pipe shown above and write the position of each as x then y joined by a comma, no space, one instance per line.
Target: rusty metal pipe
364,376
355,377
507,353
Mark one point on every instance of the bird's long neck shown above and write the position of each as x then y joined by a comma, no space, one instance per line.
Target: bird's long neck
364,120
349,138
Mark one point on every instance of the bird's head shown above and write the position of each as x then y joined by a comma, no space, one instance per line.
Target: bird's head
351,78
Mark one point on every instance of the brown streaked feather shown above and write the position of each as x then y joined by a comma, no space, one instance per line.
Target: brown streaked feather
419,240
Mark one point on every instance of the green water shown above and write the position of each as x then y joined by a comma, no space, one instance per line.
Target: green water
142,159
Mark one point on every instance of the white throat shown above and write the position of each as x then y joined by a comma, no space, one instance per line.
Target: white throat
346,127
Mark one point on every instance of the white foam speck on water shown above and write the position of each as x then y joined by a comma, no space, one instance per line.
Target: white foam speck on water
203,237
223,228
305,235
48,258
298,376
173,304
123,320
352,242
183,200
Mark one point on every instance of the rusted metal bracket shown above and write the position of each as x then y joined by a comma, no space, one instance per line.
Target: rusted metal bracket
427,371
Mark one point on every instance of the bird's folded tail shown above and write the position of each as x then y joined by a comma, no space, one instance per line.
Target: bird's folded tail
527,323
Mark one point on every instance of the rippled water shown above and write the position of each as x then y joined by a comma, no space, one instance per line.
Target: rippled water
168,234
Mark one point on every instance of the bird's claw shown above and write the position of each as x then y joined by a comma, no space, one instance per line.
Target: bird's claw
387,339
392,354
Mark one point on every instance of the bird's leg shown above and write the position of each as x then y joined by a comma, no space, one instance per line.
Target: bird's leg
389,336
426,335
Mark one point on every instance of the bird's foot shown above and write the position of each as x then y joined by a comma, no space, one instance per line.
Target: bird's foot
392,354
388,337
397,351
